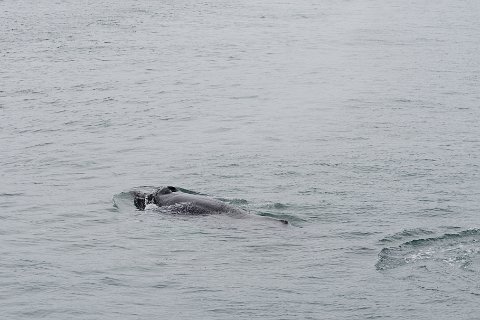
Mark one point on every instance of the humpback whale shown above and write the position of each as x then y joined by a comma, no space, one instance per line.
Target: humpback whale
186,203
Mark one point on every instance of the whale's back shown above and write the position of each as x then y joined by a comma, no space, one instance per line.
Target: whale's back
195,204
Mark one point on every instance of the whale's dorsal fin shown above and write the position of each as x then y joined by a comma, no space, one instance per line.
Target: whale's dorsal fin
168,190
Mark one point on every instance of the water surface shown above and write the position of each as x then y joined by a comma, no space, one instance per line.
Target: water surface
358,121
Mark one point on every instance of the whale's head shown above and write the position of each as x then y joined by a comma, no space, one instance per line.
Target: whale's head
141,200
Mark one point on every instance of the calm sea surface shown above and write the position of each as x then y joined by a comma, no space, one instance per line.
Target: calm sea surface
358,121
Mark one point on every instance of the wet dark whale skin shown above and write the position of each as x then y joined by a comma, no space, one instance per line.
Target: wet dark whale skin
190,203
197,204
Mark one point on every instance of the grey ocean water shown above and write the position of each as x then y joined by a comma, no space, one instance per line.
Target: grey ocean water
358,121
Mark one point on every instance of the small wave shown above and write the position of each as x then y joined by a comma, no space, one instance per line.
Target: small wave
238,202
406,234
7,194
276,205
455,249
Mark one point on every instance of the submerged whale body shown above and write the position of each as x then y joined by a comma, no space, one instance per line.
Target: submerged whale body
187,203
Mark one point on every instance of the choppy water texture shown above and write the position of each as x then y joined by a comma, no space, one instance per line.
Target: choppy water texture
358,121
